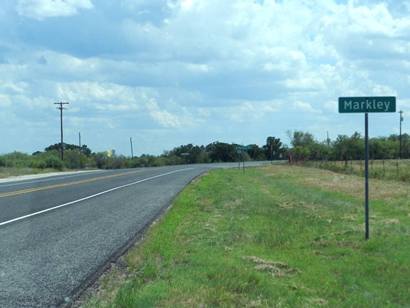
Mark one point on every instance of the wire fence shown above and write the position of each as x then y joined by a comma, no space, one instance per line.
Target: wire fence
389,169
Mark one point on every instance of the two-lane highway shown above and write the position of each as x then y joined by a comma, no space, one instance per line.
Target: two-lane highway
56,232
17,200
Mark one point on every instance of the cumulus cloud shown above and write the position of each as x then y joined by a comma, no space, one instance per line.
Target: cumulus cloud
163,117
204,64
41,9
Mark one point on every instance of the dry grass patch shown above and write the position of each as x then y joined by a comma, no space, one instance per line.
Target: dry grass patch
316,302
233,204
275,268
348,184
390,221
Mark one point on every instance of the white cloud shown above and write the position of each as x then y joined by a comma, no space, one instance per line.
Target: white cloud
305,107
186,5
331,106
108,98
41,9
198,68
161,116
4,100
207,63
251,111
96,92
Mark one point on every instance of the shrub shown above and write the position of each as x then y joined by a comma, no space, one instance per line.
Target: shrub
38,163
73,159
54,162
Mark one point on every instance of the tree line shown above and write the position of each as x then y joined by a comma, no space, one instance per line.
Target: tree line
344,148
76,157
303,147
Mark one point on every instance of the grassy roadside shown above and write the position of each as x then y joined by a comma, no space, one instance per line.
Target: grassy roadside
275,236
6,172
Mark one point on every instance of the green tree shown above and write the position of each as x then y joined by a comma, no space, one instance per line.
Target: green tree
301,139
300,153
349,148
273,148
57,147
221,152
304,146
255,152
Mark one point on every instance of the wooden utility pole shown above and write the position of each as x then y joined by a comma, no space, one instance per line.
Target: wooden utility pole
132,149
61,108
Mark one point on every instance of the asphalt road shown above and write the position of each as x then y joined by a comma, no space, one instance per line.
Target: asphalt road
57,232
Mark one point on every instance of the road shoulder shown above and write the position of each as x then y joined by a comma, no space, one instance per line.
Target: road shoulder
26,177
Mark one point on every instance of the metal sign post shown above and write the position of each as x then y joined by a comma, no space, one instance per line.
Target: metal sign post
366,105
366,174
241,150
400,136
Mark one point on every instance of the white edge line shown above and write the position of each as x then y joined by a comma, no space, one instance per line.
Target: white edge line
89,197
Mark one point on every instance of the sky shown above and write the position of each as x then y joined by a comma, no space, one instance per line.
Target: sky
172,72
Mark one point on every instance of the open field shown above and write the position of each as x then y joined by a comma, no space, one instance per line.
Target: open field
390,169
274,236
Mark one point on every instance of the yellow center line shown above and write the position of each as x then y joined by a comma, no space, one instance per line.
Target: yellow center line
30,190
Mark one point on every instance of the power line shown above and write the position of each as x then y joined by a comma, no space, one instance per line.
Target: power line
61,108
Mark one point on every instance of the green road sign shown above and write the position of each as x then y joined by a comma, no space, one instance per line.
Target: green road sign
243,147
367,104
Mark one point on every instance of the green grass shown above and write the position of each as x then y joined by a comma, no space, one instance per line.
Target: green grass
14,171
274,236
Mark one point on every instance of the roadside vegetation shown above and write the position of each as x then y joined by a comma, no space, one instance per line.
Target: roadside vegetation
285,236
76,157
8,172
16,163
304,149
345,154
